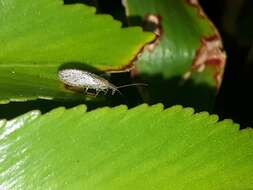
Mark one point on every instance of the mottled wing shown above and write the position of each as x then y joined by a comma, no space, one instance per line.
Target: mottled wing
78,78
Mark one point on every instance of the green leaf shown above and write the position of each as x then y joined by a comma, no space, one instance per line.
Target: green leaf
188,61
37,37
115,148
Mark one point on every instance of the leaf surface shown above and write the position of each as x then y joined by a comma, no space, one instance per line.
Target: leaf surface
37,38
115,148
185,65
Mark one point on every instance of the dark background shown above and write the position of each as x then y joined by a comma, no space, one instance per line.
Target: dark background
234,21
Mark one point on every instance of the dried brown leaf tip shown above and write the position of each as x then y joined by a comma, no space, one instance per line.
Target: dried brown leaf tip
131,64
195,3
153,23
211,54
202,14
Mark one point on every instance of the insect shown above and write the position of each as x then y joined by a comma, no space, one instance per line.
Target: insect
83,80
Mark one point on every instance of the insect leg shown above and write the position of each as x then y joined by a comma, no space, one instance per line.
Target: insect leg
86,90
97,92
105,91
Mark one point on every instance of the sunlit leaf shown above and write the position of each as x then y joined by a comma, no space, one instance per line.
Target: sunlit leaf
115,148
38,37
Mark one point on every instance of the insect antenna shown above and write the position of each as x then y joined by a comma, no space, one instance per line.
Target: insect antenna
134,84
116,88
127,85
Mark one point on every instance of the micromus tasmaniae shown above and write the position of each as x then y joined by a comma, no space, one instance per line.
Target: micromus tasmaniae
84,80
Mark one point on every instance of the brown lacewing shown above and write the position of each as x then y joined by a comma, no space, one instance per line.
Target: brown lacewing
84,80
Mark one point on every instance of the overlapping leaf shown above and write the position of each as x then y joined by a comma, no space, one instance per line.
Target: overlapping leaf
141,148
186,67
37,37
